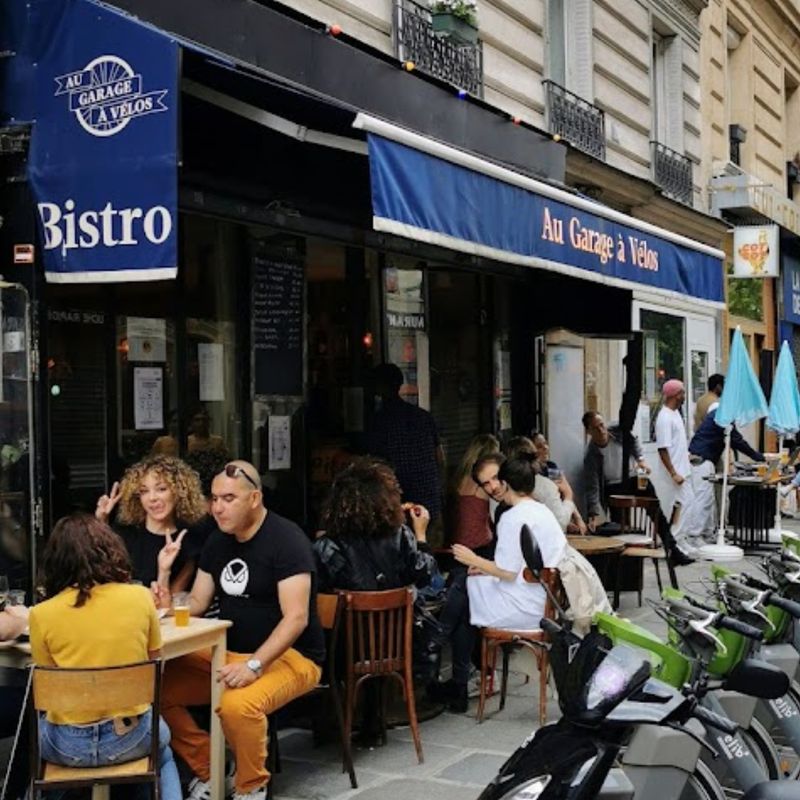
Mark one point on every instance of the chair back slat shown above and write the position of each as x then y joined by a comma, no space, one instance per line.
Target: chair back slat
62,691
377,624
636,515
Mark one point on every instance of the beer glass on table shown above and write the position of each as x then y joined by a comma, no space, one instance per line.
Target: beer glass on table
180,608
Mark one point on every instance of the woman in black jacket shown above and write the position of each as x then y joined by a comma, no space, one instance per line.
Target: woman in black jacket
367,545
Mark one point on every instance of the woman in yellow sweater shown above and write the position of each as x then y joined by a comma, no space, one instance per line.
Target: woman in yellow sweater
95,617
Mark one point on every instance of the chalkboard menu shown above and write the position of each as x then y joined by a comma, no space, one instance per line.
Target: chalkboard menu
277,325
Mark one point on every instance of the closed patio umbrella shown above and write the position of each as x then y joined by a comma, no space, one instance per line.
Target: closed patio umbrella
742,402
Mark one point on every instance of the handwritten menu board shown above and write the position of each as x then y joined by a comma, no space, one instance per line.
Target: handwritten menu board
277,325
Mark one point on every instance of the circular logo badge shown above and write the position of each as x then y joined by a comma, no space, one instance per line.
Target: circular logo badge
106,71
234,578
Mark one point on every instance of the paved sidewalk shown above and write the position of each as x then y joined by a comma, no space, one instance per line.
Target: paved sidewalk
460,755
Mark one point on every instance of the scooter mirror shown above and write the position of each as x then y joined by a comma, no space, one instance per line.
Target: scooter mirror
530,551
758,679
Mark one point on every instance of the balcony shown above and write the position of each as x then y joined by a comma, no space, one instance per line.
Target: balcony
576,121
672,173
440,56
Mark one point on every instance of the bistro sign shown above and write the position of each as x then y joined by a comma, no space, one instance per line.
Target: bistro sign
103,155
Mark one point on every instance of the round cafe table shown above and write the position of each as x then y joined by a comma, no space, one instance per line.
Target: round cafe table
603,553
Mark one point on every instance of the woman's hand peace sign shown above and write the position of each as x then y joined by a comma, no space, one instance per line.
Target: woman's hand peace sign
107,503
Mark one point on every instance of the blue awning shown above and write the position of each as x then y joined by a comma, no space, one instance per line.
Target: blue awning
434,193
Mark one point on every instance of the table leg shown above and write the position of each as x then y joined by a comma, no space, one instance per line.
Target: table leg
217,739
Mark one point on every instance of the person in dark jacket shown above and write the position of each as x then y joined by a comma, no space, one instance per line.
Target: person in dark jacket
705,451
367,546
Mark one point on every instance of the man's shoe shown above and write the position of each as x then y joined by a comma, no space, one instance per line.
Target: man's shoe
254,794
460,702
679,558
441,692
199,790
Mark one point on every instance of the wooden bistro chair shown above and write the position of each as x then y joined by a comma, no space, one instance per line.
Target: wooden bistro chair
329,612
638,517
61,691
378,638
534,640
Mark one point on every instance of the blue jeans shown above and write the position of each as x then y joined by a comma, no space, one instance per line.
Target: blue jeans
99,745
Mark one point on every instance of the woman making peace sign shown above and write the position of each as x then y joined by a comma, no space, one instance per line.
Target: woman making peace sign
158,498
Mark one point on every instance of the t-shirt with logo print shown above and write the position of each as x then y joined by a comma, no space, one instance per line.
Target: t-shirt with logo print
246,576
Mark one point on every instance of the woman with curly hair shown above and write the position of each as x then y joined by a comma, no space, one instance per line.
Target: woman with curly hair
157,498
94,617
367,545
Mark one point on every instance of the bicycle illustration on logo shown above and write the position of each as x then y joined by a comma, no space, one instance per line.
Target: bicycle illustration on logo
107,94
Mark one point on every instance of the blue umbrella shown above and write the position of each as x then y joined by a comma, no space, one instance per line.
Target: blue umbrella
784,402
742,400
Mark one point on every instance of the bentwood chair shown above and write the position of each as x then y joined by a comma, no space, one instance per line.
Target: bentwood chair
507,641
61,691
378,639
638,517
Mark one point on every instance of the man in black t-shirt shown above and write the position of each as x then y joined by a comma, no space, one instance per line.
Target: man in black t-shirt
261,567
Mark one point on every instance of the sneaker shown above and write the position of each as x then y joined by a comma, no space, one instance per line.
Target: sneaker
254,794
199,790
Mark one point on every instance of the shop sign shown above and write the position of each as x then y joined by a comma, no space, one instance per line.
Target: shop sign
756,251
790,269
23,254
414,322
420,196
103,155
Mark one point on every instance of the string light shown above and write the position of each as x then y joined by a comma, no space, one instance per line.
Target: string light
462,94
516,120
334,30
409,66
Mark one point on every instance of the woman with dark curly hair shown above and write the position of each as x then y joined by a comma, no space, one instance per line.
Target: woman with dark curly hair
94,617
367,546
157,498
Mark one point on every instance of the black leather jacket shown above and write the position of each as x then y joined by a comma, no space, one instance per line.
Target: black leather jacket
374,564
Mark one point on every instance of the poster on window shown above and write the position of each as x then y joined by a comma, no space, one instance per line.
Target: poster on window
147,339
211,371
280,442
148,398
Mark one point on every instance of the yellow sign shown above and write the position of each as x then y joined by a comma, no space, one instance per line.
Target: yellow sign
756,251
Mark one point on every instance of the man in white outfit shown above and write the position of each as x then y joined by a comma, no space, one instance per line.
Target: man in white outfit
672,474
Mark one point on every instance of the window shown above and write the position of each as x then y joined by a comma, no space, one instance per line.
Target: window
667,88
569,46
663,355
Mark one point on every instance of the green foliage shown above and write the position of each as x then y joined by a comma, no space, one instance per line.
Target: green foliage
462,9
745,297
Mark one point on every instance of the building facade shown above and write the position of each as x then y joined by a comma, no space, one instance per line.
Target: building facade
342,184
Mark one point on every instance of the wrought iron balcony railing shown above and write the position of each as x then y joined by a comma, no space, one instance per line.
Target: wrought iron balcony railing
578,122
438,55
672,172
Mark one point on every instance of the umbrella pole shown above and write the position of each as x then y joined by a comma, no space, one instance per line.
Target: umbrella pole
721,551
775,533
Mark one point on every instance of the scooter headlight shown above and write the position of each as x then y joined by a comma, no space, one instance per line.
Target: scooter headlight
530,790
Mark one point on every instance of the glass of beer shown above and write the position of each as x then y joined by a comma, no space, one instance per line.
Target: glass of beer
180,608
761,470
641,479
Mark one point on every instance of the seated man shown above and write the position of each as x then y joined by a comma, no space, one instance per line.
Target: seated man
602,475
261,567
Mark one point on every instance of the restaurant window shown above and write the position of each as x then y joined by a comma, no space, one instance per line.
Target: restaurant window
663,357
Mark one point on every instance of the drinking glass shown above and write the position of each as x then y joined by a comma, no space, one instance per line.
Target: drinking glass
180,608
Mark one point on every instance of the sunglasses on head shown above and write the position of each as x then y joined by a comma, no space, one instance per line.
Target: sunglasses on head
233,471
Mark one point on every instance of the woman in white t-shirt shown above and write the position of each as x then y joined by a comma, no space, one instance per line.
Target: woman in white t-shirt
499,595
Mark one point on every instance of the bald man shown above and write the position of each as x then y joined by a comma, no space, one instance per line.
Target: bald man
261,567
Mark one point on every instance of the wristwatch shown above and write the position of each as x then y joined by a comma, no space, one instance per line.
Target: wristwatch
254,665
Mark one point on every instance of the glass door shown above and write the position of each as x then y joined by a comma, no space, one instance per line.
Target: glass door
20,510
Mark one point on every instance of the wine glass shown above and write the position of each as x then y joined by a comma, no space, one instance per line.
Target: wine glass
3,590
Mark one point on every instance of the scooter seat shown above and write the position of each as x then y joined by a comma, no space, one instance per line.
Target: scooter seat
774,790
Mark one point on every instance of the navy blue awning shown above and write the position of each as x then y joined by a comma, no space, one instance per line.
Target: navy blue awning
433,193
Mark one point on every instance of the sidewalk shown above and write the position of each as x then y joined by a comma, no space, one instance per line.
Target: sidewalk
461,757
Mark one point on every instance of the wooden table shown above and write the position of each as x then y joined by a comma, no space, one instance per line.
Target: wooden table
200,634
601,550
